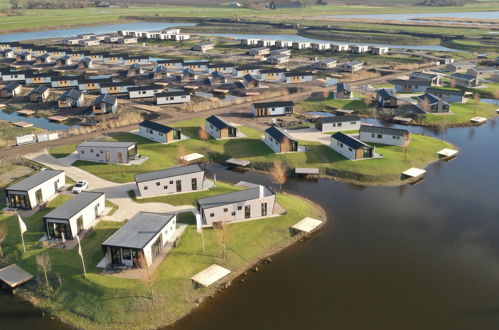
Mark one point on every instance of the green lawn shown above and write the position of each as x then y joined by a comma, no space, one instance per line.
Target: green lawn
62,151
421,152
462,113
107,302
187,198
331,104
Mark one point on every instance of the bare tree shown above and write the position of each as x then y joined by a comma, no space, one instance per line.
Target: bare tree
476,100
222,234
203,134
426,105
142,263
44,265
368,98
453,83
4,230
279,173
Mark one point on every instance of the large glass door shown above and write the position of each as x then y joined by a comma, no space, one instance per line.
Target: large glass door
39,196
56,230
247,211
19,201
116,256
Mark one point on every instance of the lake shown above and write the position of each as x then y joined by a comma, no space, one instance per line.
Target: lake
405,17
99,29
37,122
155,26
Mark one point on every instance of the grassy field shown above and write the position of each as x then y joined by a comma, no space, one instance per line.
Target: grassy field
60,18
62,151
8,132
421,152
108,302
462,113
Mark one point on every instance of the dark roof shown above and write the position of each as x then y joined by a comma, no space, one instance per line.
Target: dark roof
243,68
168,173
94,80
422,75
384,130
64,58
169,61
385,93
342,86
277,133
196,62
274,70
234,197
226,65
353,63
46,55
11,86
145,88
42,74
139,231
174,93
5,70
40,89
116,84
156,126
105,98
86,60
336,119
72,93
218,122
411,82
275,104
463,76
298,73
74,205
107,144
34,180
431,98
484,68
349,141
248,78
64,78
432,90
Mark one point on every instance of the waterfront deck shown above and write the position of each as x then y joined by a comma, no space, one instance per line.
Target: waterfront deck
210,275
306,225
13,276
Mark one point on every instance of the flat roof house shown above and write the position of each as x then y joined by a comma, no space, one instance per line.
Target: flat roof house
279,141
384,135
115,87
411,85
11,90
253,203
241,71
107,151
225,68
324,64
377,50
171,64
75,216
386,98
460,66
273,74
259,51
172,97
351,147
70,99
35,78
158,132
320,46
434,79
277,108
482,71
278,59
66,81
105,103
338,123
15,75
203,47
343,91
138,92
432,103
35,190
352,66
298,77
138,243
448,95
301,45
174,180
39,94
340,47
219,128
92,84
357,49
465,80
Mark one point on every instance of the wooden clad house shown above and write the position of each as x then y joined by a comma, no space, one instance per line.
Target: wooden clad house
158,132
279,141
219,128
39,94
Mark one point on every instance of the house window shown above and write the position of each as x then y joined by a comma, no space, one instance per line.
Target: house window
158,183
165,187
212,215
350,149
171,181
373,135
396,137
91,150
82,151
341,145
226,210
340,124
239,208
380,136
233,213
145,187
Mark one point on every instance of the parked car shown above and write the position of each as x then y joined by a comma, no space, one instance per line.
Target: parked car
80,186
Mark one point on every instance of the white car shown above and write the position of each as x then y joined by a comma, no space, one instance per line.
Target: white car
79,187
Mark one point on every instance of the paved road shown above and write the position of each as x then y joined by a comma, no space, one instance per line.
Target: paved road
115,192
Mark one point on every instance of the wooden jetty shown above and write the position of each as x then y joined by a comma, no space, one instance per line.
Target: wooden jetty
23,124
307,173
57,118
210,275
25,112
13,276
305,225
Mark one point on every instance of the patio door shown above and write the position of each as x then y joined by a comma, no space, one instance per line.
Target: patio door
56,230
116,256
179,185
108,156
247,211
19,201
120,157
39,196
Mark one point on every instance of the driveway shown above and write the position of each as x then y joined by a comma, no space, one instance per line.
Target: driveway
116,193
310,134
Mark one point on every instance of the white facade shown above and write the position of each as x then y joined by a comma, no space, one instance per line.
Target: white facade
184,183
382,138
172,99
342,149
341,47
144,93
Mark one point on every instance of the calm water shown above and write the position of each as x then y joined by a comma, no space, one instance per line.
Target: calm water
101,29
391,258
405,17
37,122
294,37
